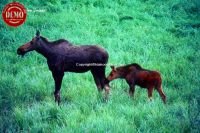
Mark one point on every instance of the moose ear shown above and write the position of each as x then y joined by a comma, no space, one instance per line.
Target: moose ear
37,33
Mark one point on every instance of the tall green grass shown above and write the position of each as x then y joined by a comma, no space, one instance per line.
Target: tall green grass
159,35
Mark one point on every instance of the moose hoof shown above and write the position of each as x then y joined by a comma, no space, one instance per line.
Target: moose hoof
57,98
150,99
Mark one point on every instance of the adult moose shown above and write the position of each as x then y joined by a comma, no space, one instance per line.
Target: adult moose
62,57
134,74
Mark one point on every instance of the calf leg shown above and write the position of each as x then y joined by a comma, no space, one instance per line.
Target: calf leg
58,76
150,91
131,90
131,87
161,93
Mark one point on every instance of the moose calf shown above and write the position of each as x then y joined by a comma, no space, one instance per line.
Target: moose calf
134,74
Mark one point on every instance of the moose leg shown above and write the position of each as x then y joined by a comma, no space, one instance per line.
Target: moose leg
103,80
150,91
161,93
100,79
58,76
97,81
105,86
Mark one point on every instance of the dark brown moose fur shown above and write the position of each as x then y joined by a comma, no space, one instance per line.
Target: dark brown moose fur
134,74
62,57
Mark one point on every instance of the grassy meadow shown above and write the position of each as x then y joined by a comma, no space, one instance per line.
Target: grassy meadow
157,34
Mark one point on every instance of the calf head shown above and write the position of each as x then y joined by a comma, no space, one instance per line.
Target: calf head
114,74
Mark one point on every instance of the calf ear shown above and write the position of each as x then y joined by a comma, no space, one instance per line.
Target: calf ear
113,68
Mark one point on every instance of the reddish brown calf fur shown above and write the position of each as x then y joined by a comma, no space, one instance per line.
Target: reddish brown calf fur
134,74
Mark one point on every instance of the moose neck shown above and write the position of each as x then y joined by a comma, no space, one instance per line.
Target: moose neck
45,49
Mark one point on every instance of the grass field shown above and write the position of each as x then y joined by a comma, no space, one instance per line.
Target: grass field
159,35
